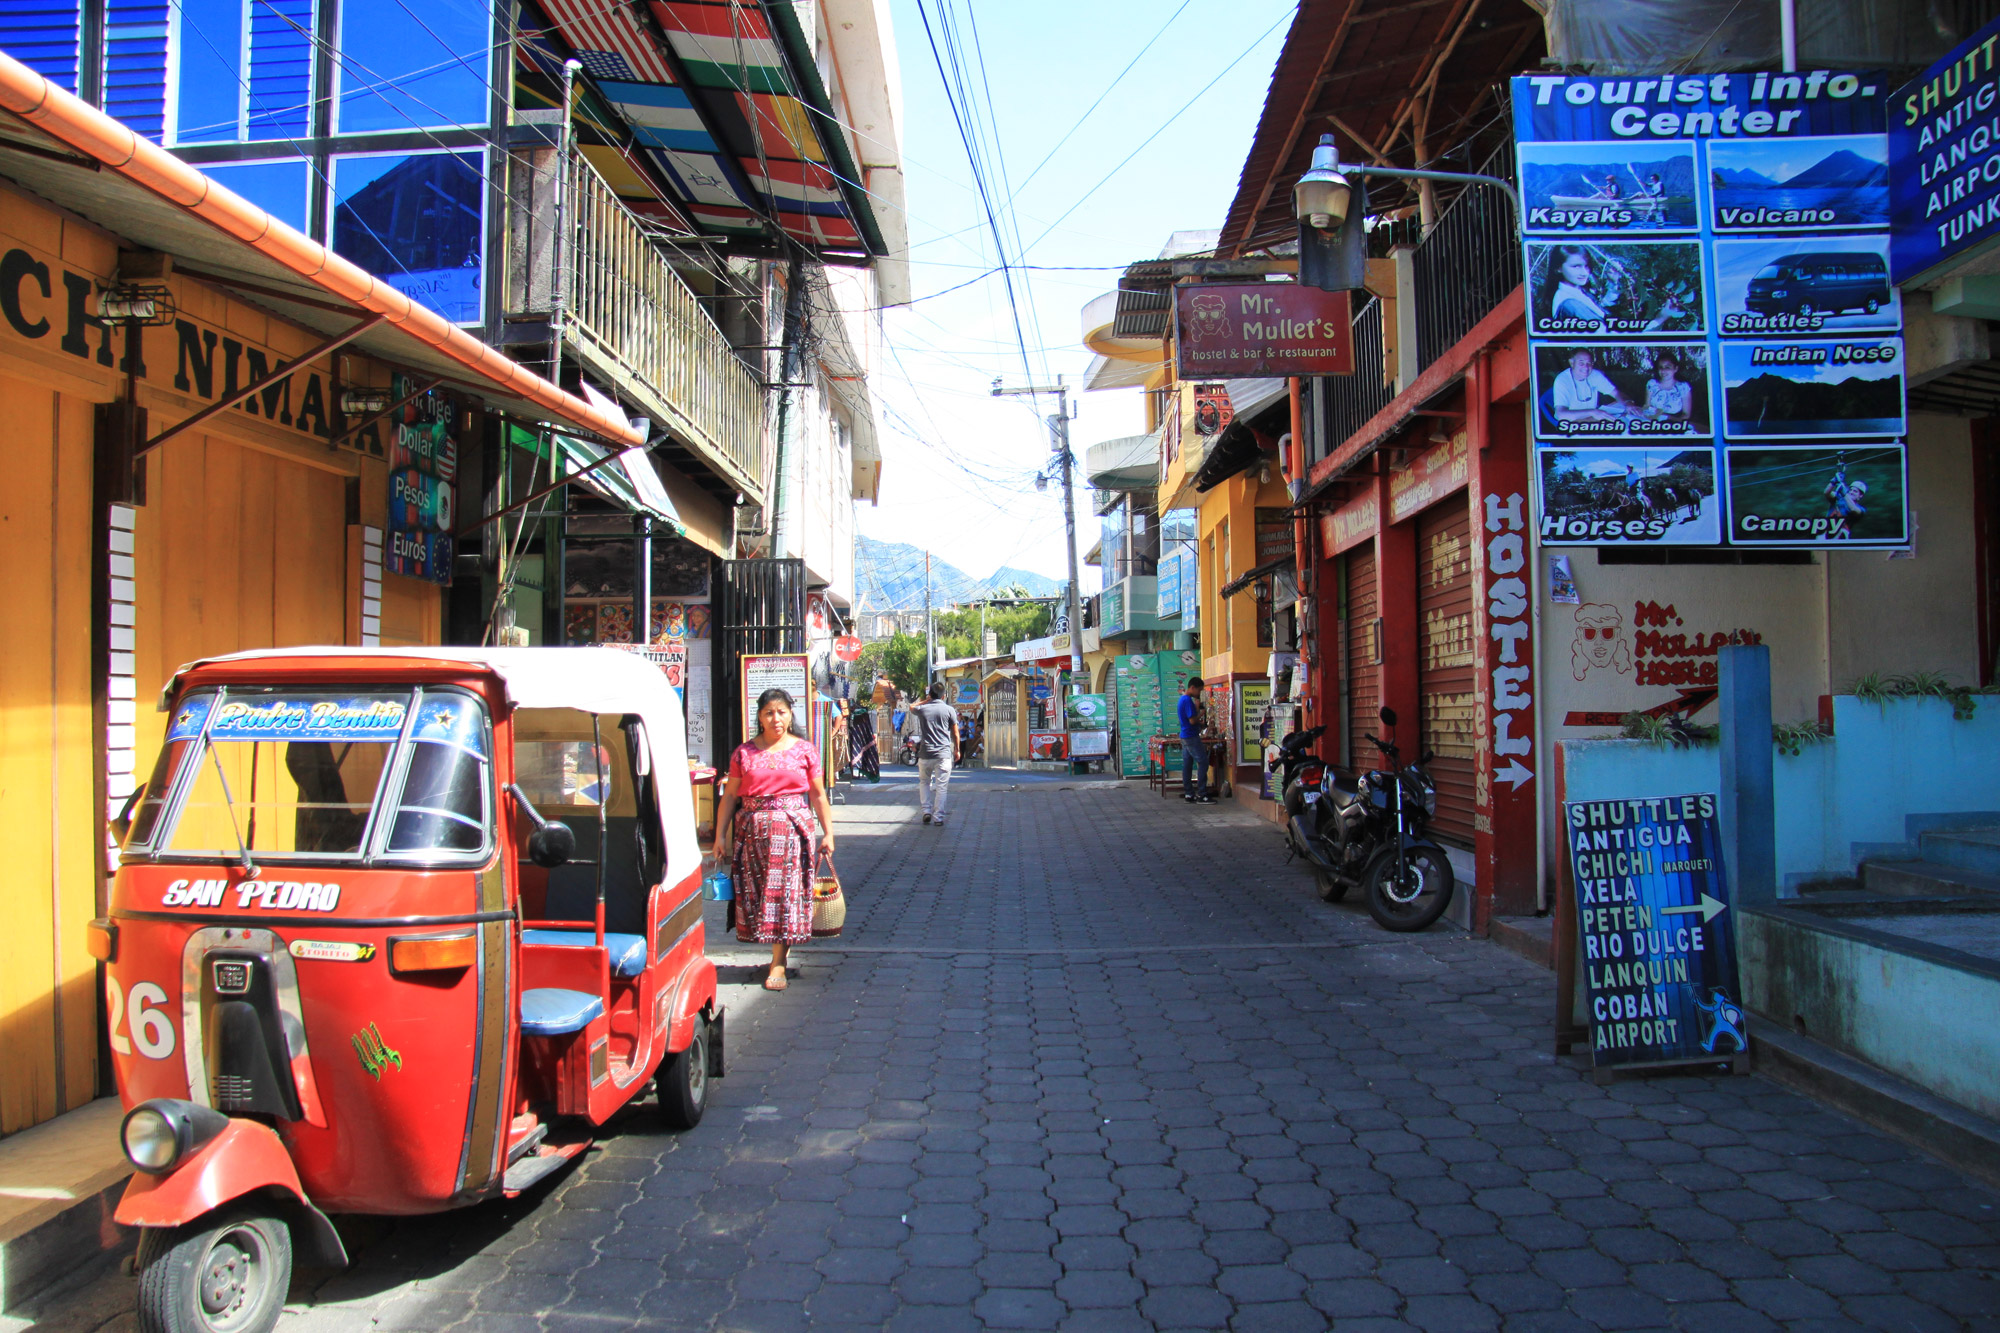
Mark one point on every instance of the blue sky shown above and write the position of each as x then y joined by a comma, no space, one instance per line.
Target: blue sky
959,464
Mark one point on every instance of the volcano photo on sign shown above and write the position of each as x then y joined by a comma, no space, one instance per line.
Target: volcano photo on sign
1813,388
1809,183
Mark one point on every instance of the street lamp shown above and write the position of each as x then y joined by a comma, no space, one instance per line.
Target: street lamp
1330,202
1321,197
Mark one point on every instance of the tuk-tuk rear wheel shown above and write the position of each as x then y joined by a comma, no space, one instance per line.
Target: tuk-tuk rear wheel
228,1273
683,1081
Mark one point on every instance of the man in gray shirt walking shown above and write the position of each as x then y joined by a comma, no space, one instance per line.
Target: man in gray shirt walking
936,725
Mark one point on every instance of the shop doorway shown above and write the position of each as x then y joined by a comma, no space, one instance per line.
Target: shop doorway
1447,684
1362,630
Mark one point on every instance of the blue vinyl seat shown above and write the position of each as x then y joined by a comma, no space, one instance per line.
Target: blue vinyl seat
549,1011
628,952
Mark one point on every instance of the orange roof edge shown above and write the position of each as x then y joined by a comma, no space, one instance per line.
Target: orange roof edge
89,131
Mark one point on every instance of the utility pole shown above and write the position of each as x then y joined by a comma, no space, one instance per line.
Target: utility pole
930,627
1060,424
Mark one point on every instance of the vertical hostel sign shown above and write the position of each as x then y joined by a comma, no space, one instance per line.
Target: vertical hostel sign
423,471
1944,158
1656,934
1716,343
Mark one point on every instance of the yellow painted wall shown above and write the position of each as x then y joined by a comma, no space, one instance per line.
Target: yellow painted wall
48,759
243,543
1231,509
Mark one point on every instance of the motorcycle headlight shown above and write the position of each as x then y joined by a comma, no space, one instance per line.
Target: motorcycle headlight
1430,801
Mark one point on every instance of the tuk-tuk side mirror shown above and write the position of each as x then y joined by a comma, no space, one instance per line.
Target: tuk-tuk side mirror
551,845
121,823
1388,716
553,842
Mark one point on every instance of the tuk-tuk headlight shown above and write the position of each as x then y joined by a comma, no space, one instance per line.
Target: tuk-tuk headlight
159,1133
150,1140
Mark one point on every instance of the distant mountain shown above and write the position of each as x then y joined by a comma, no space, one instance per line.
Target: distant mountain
889,576
1578,181
1744,180
1840,171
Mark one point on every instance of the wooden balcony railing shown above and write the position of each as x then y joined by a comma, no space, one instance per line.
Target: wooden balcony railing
628,313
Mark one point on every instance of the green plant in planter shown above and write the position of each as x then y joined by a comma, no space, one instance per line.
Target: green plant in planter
1878,687
1674,729
1792,737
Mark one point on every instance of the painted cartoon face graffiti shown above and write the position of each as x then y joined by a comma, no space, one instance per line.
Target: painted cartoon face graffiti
1600,641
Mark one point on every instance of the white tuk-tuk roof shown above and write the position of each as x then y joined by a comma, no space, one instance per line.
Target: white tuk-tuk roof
595,680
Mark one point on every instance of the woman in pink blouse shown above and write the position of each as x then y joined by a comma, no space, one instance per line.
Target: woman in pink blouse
766,823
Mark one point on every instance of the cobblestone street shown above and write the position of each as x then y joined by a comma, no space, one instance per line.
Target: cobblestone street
1091,1060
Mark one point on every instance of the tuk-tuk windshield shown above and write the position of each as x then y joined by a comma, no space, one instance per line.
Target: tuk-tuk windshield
282,774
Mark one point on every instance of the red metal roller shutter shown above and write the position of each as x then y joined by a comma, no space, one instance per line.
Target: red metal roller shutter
1364,656
1446,682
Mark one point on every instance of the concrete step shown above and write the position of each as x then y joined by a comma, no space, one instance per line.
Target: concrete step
1926,879
1976,849
1959,1137
1533,937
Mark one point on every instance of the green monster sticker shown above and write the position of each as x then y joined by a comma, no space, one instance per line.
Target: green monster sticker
376,1055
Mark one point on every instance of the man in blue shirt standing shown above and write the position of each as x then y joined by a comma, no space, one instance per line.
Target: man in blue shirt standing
1194,753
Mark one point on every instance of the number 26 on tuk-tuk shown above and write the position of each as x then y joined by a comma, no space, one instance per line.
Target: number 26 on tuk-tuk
392,932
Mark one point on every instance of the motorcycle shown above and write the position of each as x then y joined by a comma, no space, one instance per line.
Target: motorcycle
1367,830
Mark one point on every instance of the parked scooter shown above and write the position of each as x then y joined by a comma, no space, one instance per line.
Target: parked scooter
1368,830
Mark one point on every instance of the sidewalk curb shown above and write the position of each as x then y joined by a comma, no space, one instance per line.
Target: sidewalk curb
1956,1135
47,1251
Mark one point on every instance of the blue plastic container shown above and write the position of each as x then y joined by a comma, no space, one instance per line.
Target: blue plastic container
718,887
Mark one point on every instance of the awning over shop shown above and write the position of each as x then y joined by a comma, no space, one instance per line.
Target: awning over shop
75,156
628,481
1252,404
1129,463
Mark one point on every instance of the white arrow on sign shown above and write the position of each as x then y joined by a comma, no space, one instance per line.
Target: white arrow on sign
1516,772
1708,907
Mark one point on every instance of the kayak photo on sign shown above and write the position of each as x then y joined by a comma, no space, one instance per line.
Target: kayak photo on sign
1629,496
1621,390
1808,183
1808,284
1620,186
1594,288
1811,495
1813,388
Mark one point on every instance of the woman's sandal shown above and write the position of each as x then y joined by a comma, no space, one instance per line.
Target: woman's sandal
775,979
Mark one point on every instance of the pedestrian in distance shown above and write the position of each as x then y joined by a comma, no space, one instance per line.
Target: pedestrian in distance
1194,750
935,724
774,813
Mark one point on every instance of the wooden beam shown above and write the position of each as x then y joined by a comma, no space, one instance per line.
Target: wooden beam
1360,141
305,359
1334,46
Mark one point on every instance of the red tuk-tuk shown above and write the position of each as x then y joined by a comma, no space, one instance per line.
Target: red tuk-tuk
392,930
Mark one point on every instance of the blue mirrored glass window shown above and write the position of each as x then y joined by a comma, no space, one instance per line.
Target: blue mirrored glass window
417,221
211,50
281,47
279,188
45,36
413,64
135,64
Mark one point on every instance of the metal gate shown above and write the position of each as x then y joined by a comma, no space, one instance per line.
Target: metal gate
1002,725
761,609
1363,686
1446,682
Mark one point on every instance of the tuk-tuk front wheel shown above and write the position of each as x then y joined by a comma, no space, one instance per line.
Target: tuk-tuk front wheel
227,1273
683,1081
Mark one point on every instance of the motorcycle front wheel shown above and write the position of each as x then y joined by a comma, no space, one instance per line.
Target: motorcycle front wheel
1415,897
